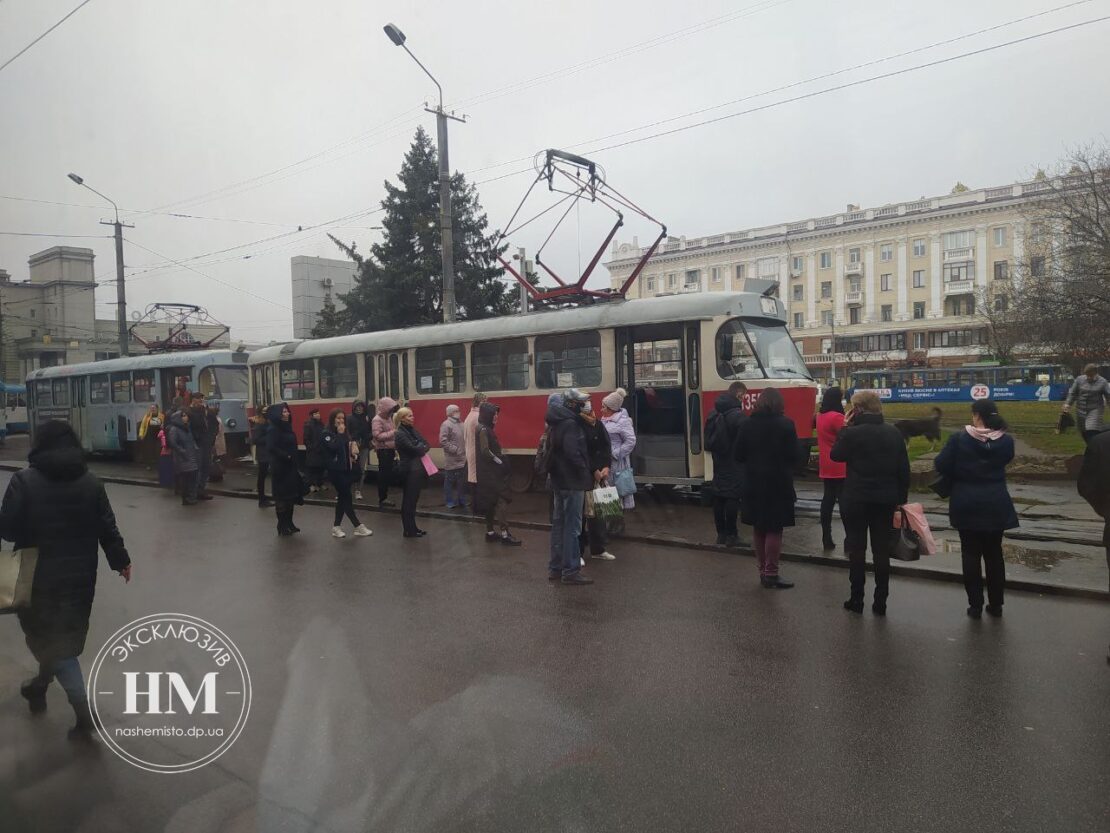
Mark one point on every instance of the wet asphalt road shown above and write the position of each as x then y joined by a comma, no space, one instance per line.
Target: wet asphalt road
444,684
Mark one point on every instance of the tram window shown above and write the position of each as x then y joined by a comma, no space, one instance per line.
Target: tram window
121,387
441,369
61,393
692,355
298,380
776,351
735,359
500,365
262,392
572,360
206,383
142,383
658,364
405,375
394,376
231,382
368,361
339,377
99,389
42,395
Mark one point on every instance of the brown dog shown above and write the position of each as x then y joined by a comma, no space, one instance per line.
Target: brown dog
927,427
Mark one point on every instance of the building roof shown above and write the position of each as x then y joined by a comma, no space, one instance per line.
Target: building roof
149,362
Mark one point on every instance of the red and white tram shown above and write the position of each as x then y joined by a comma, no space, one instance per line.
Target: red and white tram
673,354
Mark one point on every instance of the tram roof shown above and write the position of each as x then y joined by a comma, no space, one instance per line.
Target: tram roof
602,315
147,362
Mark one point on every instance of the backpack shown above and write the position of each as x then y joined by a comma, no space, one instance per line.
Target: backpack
544,452
716,434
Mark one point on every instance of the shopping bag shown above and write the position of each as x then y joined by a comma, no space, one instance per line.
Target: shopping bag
17,571
607,502
907,545
429,466
915,514
625,482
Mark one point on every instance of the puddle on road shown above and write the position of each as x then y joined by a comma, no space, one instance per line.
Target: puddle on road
1035,559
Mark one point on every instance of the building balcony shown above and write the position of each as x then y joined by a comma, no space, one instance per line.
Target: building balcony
854,298
958,255
959,288
853,268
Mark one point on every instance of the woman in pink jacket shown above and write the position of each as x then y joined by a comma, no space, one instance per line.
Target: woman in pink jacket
830,420
382,434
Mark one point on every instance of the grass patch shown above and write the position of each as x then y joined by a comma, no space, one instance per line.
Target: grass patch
1033,422
920,445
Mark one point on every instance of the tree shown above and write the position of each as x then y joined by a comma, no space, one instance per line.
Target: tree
400,284
329,321
1001,319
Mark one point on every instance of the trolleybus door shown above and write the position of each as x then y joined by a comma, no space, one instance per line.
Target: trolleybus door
651,360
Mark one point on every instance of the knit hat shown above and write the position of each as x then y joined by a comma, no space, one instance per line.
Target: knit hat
574,395
615,400
452,410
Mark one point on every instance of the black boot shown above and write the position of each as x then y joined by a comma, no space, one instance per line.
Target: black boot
84,730
827,542
34,692
720,542
857,576
283,524
292,527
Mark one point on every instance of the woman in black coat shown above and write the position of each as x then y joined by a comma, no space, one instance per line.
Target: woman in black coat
58,506
314,463
286,482
767,445
980,508
341,457
411,447
600,450
493,494
876,482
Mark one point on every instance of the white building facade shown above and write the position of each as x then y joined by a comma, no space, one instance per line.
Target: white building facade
315,279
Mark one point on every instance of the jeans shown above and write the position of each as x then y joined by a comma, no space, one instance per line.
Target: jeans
204,466
497,515
986,547
566,524
724,515
833,487
344,503
453,482
859,519
68,673
260,482
187,485
386,457
414,482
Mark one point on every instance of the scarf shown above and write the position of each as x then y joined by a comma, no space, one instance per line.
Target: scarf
984,434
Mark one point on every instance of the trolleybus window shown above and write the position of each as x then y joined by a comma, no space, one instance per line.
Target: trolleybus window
61,393
142,383
440,369
121,387
42,394
572,360
298,380
339,377
98,389
500,365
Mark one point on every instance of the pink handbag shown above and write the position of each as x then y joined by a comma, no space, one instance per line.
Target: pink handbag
429,466
915,514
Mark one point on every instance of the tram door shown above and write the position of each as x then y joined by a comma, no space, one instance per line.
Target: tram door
393,375
78,412
651,362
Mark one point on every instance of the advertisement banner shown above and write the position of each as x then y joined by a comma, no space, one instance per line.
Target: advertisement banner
967,393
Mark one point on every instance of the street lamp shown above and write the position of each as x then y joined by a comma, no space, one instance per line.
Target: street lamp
121,293
447,248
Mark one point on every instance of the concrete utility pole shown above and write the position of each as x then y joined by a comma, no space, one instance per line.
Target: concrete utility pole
446,233
121,290
523,288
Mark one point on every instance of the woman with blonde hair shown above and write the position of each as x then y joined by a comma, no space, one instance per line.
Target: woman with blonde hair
411,448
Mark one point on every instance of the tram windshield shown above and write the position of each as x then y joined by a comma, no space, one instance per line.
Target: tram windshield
758,349
231,382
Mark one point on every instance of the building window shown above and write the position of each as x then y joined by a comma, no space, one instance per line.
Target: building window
958,240
121,387
1036,266
799,320
298,380
826,346
826,260
957,338
853,255
568,361
715,274
797,291
956,306
693,277
919,341
918,278
964,271
739,271
671,281
884,283
500,365
1000,236
797,263
853,315
1038,232
886,252
886,312
1001,270
826,289
339,377
768,267
854,285
651,284
918,309
439,369
919,247
1001,303
826,317
32,312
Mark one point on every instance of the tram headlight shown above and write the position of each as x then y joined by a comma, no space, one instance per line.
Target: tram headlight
231,423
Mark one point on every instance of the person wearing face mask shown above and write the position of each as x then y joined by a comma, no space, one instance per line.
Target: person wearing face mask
411,448
571,475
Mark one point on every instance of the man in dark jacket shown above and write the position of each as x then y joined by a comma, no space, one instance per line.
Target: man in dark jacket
1094,485
205,439
358,426
571,476
186,457
58,506
721,430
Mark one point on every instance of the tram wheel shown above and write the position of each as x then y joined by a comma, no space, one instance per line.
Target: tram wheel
521,472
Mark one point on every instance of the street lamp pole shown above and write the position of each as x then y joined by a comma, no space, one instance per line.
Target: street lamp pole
121,291
446,234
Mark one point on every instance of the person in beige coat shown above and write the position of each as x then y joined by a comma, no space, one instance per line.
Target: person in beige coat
470,439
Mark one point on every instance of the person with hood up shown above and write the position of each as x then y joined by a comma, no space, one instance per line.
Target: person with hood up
152,423
411,448
314,463
260,427
601,460
571,475
980,509
61,508
721,430
341,456
830,419
470,439
186,456
383,434
358,426
453,443
286,483
493,494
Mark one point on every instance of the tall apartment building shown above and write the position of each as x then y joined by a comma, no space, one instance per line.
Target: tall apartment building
899,284
315,279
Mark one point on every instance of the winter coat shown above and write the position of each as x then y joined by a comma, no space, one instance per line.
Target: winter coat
60,507
493,468
281,444
767,446
598,445
1094,479
453,443
1089,399
728,474
622,442
470,441
258,440
878,467
335,449
977,470
313,435
411,446
828,427
358,424
198,427
383,434
180,440
570,455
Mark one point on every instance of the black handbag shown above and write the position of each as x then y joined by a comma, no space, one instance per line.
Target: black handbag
907,543
942,486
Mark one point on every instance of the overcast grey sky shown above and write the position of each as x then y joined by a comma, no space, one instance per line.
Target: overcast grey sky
164,105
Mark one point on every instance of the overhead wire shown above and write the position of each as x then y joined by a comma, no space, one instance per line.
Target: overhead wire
12,59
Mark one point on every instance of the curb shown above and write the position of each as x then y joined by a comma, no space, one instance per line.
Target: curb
896,568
